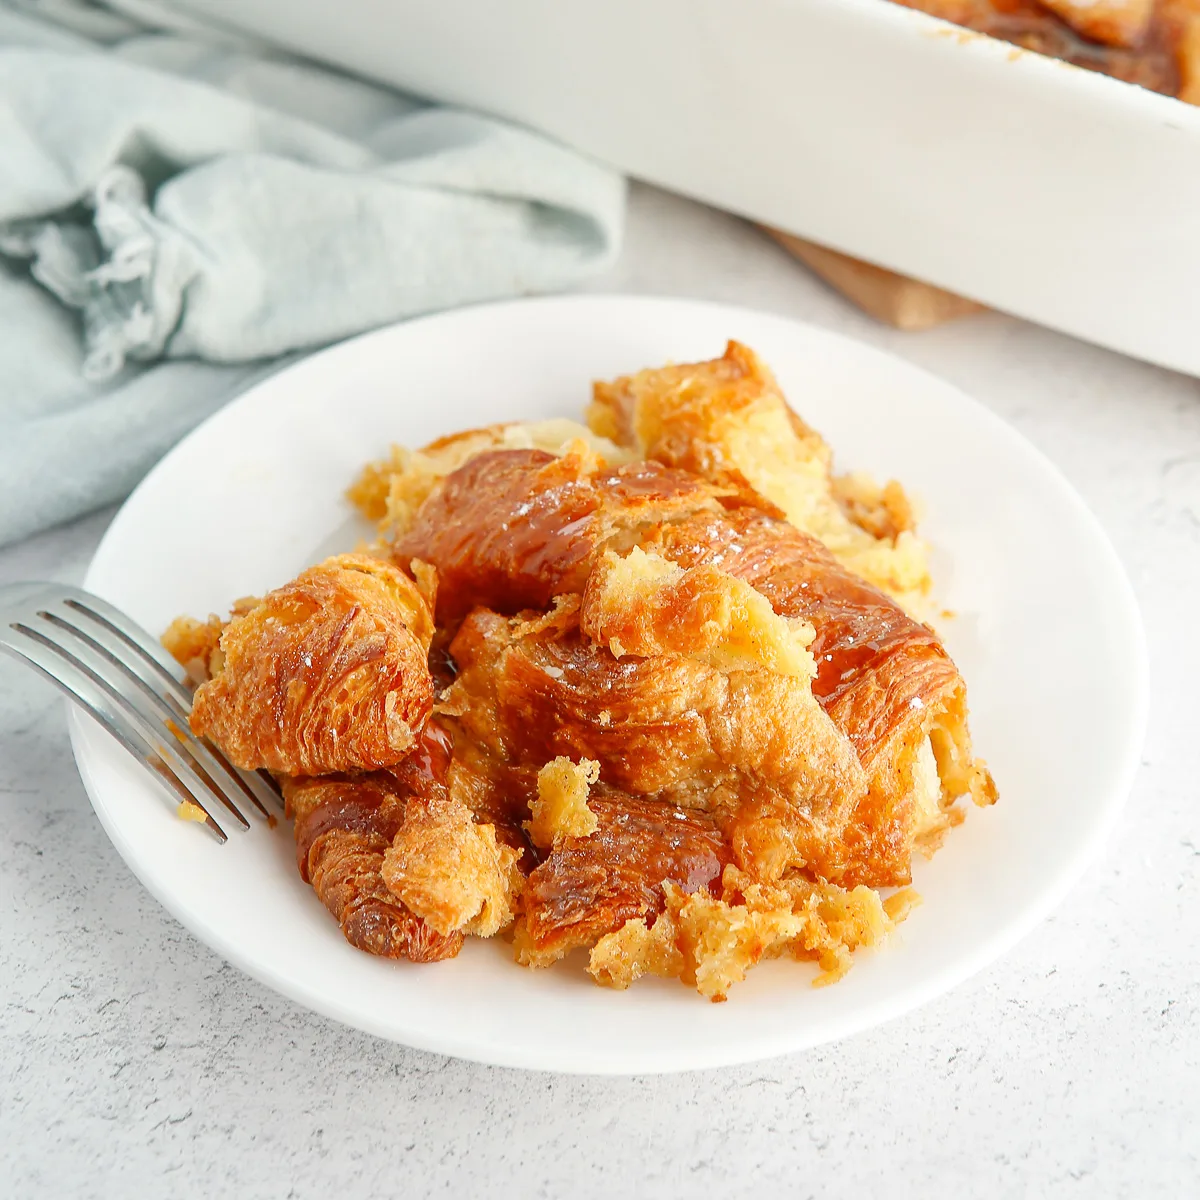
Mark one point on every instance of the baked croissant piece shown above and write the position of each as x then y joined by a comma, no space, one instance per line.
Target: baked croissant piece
398,858
512,529
884,678
343,828
727,421
588,887
671,726
326,674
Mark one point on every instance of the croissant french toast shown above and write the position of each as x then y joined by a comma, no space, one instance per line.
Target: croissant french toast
666,726
654,691
590,886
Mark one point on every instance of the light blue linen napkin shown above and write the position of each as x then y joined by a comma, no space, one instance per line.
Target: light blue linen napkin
178,209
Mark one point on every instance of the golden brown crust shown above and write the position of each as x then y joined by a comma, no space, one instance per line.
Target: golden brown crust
655,722
884,678
326,674
512,529
872,659
450,870
533,697
664,725
727,421
391,490
343,827
683,415
590,886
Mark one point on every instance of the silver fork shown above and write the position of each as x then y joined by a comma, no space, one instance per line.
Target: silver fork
116,671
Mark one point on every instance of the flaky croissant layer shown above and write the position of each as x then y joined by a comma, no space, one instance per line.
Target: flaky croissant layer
326,674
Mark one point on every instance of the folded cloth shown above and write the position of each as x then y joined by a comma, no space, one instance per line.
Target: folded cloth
179,208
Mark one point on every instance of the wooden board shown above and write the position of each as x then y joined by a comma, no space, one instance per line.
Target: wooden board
894,299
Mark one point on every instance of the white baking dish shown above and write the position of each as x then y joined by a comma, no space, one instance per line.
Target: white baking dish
1040,189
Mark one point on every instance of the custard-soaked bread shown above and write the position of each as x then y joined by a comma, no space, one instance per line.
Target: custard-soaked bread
668,726
400,858
392,490
560,808
590,886
710,941
884,678
727,421
644,604
450,870
326,674
343,828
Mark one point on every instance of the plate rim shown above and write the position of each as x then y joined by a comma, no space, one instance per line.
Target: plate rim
890,1005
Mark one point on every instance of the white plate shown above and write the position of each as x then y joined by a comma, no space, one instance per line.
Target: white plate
1048,638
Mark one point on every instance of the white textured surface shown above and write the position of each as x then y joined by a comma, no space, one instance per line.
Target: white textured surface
133,1061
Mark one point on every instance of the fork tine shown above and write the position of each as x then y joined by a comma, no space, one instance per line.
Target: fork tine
269,781
145,644
152,651
94,703
90,666
167,706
